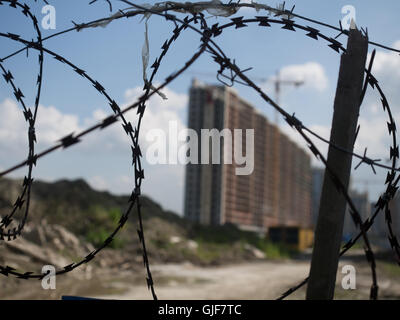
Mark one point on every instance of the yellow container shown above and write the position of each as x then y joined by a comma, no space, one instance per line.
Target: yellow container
295,237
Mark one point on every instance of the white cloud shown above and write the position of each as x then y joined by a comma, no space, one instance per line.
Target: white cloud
159,112
13,130
121,184
52,125
312,73
386,69
374,136
98,183
386,61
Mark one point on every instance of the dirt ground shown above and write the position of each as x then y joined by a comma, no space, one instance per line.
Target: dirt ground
253,280
263,280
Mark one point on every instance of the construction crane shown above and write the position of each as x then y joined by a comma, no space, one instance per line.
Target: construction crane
276,81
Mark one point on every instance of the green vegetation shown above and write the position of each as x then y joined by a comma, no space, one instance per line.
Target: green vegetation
274,250
218,238
103,222
207,245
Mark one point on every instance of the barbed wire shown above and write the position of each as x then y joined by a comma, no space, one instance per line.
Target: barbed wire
210,46
30,118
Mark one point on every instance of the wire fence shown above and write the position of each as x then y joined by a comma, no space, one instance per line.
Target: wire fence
185,17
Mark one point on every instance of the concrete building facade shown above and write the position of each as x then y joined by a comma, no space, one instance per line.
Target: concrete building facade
276,193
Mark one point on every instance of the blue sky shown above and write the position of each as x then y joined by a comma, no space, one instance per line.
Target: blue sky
112,55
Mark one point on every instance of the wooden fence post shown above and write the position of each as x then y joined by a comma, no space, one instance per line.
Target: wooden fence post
329,229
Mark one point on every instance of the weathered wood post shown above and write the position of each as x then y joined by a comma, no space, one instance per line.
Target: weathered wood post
329,229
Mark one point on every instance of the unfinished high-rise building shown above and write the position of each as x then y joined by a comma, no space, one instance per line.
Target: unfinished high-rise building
277,192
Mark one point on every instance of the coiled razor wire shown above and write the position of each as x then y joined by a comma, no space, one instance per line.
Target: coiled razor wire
207,45
31,119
